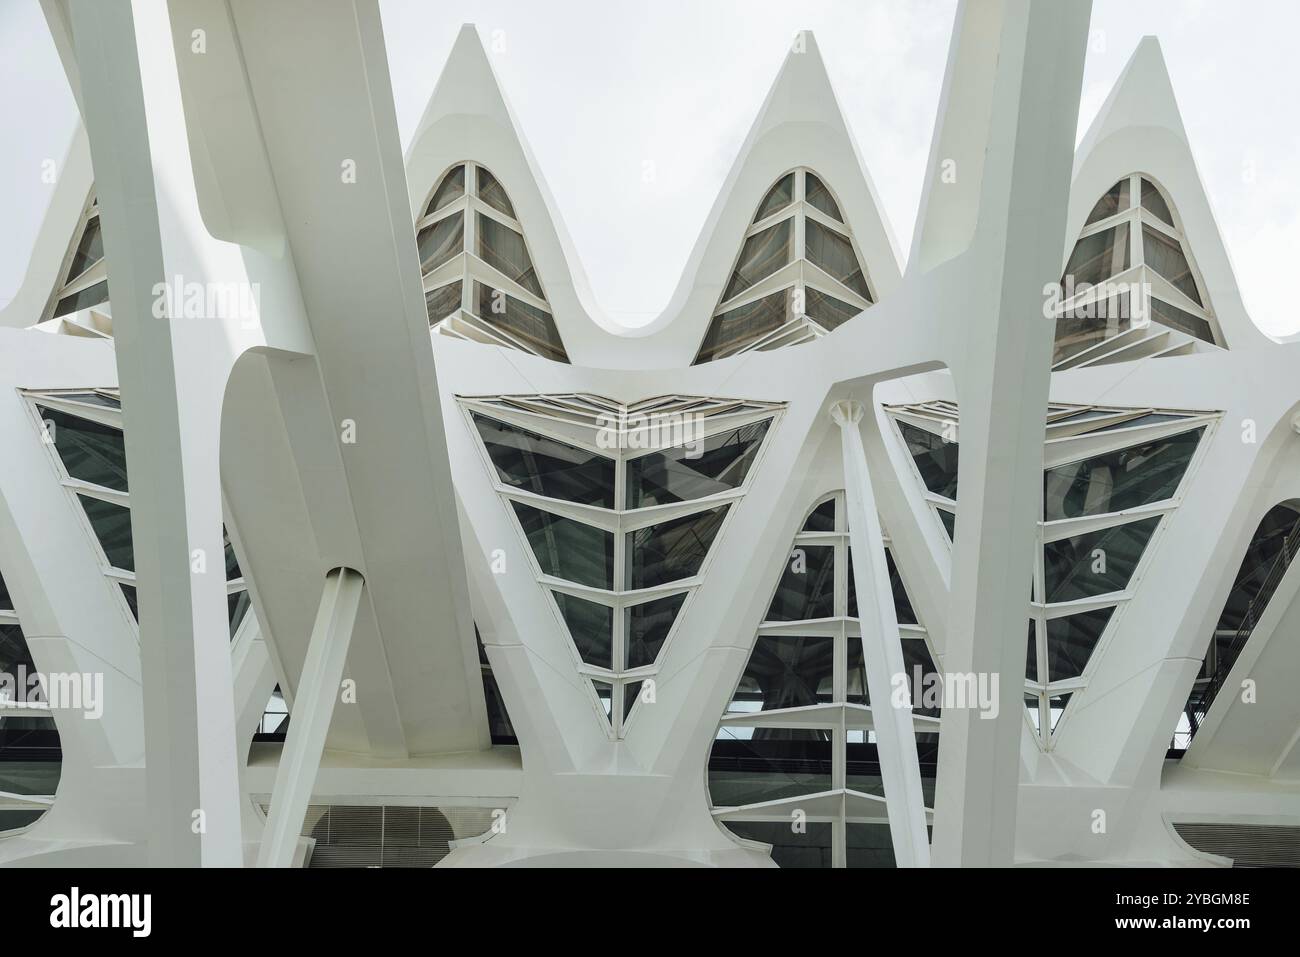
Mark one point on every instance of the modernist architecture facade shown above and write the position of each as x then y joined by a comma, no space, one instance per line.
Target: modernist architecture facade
340,527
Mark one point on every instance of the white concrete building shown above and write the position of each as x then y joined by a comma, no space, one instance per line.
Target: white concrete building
975,556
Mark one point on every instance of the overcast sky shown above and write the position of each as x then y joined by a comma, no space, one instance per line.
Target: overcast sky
600,88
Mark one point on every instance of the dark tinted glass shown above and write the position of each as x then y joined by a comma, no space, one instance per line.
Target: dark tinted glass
13,650
904,614
935,459
671,550
591,627
237,606
949,520
786,672
1031,655
807,586
1114,481
774,764
568,549
630,692
1096,563
647,628
112,525
822,518
536,463
90,452
90,296
717,464
915,655
1098,256
89,251
1070,642
868,845
808,847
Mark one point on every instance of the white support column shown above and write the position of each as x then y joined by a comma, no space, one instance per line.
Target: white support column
882,650
313,707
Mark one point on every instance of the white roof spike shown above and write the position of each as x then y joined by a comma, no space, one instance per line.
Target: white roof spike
1142,96
1139,130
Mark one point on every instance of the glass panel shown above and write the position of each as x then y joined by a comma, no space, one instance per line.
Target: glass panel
6,602
834,253
935,458
591,628
778,197
233,571
828,312
112,526
1070,642
1165,256
132,599
1098,257
763,254
90,451
605,692
671,550
786,673
1058,705
91,296
1266,547
89,251
237,606
717,464
1116,200
533,326
449,190
647,627
1095,563
807,586
810,847
439,242
822,518
526,460
1115,481
863,767
915,655
819,197
1175,318
1154,203
631,690
738,327
868,845
1031,655
568,549
1082,326
442,302
494,194
504,250
949,520
14,652
903,612
750,765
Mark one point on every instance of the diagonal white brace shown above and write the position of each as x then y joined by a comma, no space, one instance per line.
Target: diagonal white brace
882,650
313,707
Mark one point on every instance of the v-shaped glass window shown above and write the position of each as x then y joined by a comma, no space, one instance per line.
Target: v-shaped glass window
798,276
480,282
1131,279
